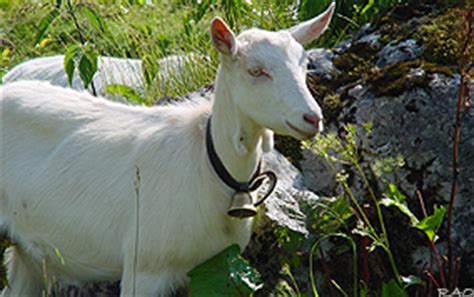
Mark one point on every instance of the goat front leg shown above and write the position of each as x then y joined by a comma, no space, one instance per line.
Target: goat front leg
24,274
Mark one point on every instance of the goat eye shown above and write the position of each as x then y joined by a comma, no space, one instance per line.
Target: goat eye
256,72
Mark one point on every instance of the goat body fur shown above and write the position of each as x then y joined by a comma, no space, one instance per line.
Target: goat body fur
69,161
78,197
128,72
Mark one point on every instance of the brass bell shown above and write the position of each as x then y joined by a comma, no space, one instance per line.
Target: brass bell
241,206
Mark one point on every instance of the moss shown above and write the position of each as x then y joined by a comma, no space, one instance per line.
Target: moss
290,148
351,61
395,79
432,68
318,86
441,38
355,63
331,105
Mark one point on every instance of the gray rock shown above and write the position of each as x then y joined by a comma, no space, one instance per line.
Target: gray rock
283,207
418,125
319,177
397,52
320,61
372,39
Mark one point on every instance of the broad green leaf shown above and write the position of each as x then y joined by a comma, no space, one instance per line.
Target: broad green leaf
431,224
44,24
226,274
88,67
93,18
392,289
69,61
126,91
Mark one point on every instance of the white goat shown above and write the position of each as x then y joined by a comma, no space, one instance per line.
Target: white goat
110,70
68,164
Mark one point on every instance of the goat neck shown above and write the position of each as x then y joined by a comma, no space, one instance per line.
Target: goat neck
237,138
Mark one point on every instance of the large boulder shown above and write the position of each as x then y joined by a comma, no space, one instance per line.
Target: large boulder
400,75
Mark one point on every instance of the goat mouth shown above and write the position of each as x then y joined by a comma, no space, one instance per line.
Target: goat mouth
300,132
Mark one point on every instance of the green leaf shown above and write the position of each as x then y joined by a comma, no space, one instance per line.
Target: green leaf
93,18
226,274
431,224
44,24
411,280
402,206
69,61
395,198
394,193
392,289
88,67
367,7
126,91
59,3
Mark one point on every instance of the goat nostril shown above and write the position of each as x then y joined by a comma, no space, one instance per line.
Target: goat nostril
312,119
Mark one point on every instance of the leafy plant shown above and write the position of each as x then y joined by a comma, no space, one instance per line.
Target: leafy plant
344,151
226,274
82,51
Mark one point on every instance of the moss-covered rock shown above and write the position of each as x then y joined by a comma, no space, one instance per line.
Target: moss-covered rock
290,148
441,38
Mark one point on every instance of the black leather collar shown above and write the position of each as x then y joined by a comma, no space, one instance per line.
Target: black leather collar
222,172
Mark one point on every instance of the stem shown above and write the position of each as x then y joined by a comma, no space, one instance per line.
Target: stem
457,270
374,198
386,243
327,274
137,184
432,278
438,263
431,242
81,36
365,254
360,211
393,265
354,255
464,88
422,203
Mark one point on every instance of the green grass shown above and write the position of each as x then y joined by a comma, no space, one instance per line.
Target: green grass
134,31
149,32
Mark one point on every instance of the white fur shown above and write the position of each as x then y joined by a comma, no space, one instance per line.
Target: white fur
68,164
110,70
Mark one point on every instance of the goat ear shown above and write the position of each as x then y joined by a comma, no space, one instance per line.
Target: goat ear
267,140
223,37
311,29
